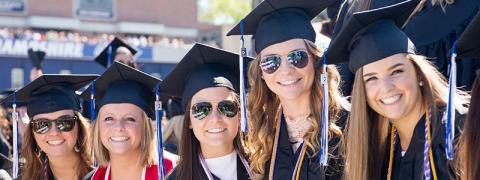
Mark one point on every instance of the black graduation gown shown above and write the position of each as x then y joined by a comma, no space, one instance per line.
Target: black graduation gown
286,160
410,166
242,173
433,31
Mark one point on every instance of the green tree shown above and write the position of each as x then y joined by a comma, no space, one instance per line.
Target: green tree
223,11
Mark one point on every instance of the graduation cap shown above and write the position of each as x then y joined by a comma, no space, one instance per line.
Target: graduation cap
123,84
372,35
106,57
36,57
50,93
436,21
4,94
467,46
202,67
174,106
275,21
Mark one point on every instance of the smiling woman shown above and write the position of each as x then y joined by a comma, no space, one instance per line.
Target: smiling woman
207,81
55,141
395,129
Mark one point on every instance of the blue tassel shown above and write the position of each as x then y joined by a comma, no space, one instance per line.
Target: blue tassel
450,129
109,56
323,157
243,99
158,118
92,102
15,118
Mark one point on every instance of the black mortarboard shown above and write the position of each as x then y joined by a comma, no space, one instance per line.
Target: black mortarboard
123,84
435,22
372,35
50,93
36,57
275,21
202,67
173,107
468,45
106,57
4,94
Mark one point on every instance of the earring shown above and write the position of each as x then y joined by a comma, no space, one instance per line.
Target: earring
76,148
420,83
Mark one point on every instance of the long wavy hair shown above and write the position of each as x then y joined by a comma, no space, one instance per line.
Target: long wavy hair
469,166
34,158
262,105
189,167
367,131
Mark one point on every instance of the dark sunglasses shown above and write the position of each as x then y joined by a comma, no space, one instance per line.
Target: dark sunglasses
63,123
202,109
270,63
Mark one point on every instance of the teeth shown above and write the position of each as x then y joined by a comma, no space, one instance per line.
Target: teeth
55,142
390,100
289,82
216,130
119,139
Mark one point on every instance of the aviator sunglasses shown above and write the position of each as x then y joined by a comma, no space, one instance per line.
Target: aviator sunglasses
202,109
270,63
63,123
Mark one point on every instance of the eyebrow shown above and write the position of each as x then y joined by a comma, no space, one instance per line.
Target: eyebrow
389,69
287,53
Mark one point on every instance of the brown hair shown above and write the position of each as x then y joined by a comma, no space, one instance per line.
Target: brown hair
189,166
262,105
147,145
367,131
34,164
469,166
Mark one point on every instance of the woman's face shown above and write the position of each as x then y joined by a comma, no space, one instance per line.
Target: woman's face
214,129
121,127
392,86
289,82
52,140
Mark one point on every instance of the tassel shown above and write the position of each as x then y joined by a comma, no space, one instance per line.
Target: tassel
109,56
93,114
450,129
323,158
243,100
15,118
158,118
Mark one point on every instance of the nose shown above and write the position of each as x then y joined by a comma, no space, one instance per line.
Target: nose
285,66
387,85
119,125
54,130
215,115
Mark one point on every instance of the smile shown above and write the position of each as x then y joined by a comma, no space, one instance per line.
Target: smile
391,99
290,82
217,130
119,139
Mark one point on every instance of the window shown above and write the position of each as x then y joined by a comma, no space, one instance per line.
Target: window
17,78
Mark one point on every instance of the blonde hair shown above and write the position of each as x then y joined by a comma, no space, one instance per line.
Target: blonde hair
147,144
367,131
262,105
34,163
173,128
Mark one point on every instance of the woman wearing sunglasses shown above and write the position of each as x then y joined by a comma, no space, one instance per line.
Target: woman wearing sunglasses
123,139
55,144
207,82
396,129
285,103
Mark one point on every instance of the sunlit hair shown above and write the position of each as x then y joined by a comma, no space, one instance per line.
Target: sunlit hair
367,131
147,144
262,105
34,157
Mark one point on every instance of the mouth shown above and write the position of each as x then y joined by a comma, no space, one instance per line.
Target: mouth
289,82
55,142
391,100
216,130
119,139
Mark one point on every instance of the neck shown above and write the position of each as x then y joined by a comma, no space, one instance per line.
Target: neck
126,166
209,152
296,108
65,167
406,125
